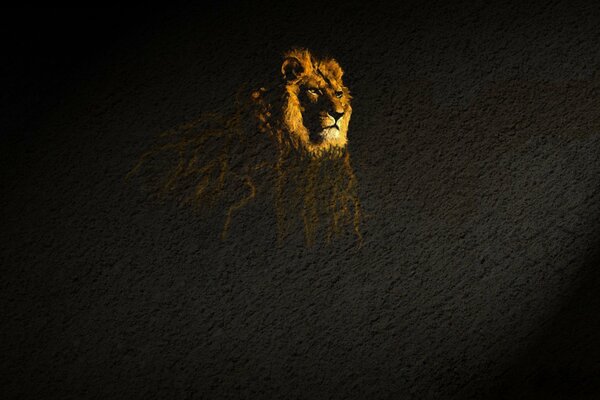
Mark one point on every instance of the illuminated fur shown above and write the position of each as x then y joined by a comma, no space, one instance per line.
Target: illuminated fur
303,108
296,155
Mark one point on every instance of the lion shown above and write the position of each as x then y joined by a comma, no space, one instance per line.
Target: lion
314,109
289,141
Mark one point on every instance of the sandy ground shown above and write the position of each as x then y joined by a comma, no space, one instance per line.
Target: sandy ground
475,139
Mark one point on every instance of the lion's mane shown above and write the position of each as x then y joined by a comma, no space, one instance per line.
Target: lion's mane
260,148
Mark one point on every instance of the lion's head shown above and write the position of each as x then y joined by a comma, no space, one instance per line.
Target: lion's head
312,108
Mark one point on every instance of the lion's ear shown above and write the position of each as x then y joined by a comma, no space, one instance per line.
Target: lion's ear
291,69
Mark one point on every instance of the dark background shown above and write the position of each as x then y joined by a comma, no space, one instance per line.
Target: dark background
475,137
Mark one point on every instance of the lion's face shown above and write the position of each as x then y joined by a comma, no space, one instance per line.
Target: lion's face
316,108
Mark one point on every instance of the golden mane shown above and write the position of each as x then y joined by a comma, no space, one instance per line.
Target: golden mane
282,113
264,147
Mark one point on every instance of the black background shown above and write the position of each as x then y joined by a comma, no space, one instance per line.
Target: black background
475,139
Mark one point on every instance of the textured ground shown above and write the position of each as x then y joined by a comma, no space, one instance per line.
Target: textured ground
476,141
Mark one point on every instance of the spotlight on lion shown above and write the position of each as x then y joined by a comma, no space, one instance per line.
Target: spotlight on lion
288,142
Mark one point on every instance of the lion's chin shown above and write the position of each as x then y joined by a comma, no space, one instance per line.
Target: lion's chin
331,133
325,135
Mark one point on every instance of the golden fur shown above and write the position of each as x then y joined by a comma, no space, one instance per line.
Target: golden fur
280,142
308,83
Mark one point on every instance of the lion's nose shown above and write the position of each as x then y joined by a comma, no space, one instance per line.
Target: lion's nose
336,115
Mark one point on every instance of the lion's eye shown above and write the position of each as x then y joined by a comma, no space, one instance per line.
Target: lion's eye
315,91
339,94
